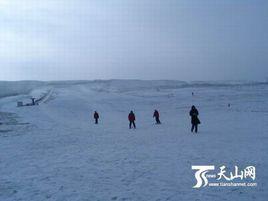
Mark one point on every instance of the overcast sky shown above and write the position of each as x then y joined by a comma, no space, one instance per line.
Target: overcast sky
134,39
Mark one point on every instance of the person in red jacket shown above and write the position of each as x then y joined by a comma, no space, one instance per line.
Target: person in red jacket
156,116
96,117
131,118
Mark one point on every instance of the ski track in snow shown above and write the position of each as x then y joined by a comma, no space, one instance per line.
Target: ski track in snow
54,151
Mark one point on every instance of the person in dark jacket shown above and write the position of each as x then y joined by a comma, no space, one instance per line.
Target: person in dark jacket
96,117
156,116
194,119
131,118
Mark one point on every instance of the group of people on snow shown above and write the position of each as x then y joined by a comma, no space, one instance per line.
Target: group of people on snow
131,118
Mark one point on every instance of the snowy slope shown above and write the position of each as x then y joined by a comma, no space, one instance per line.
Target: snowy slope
54,151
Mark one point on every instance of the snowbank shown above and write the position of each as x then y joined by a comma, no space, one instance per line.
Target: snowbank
54,151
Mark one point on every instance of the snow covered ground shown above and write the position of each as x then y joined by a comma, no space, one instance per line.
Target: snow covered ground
54,151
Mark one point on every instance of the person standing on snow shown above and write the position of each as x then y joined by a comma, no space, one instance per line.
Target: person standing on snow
96,117
156,116
131,118
194,119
